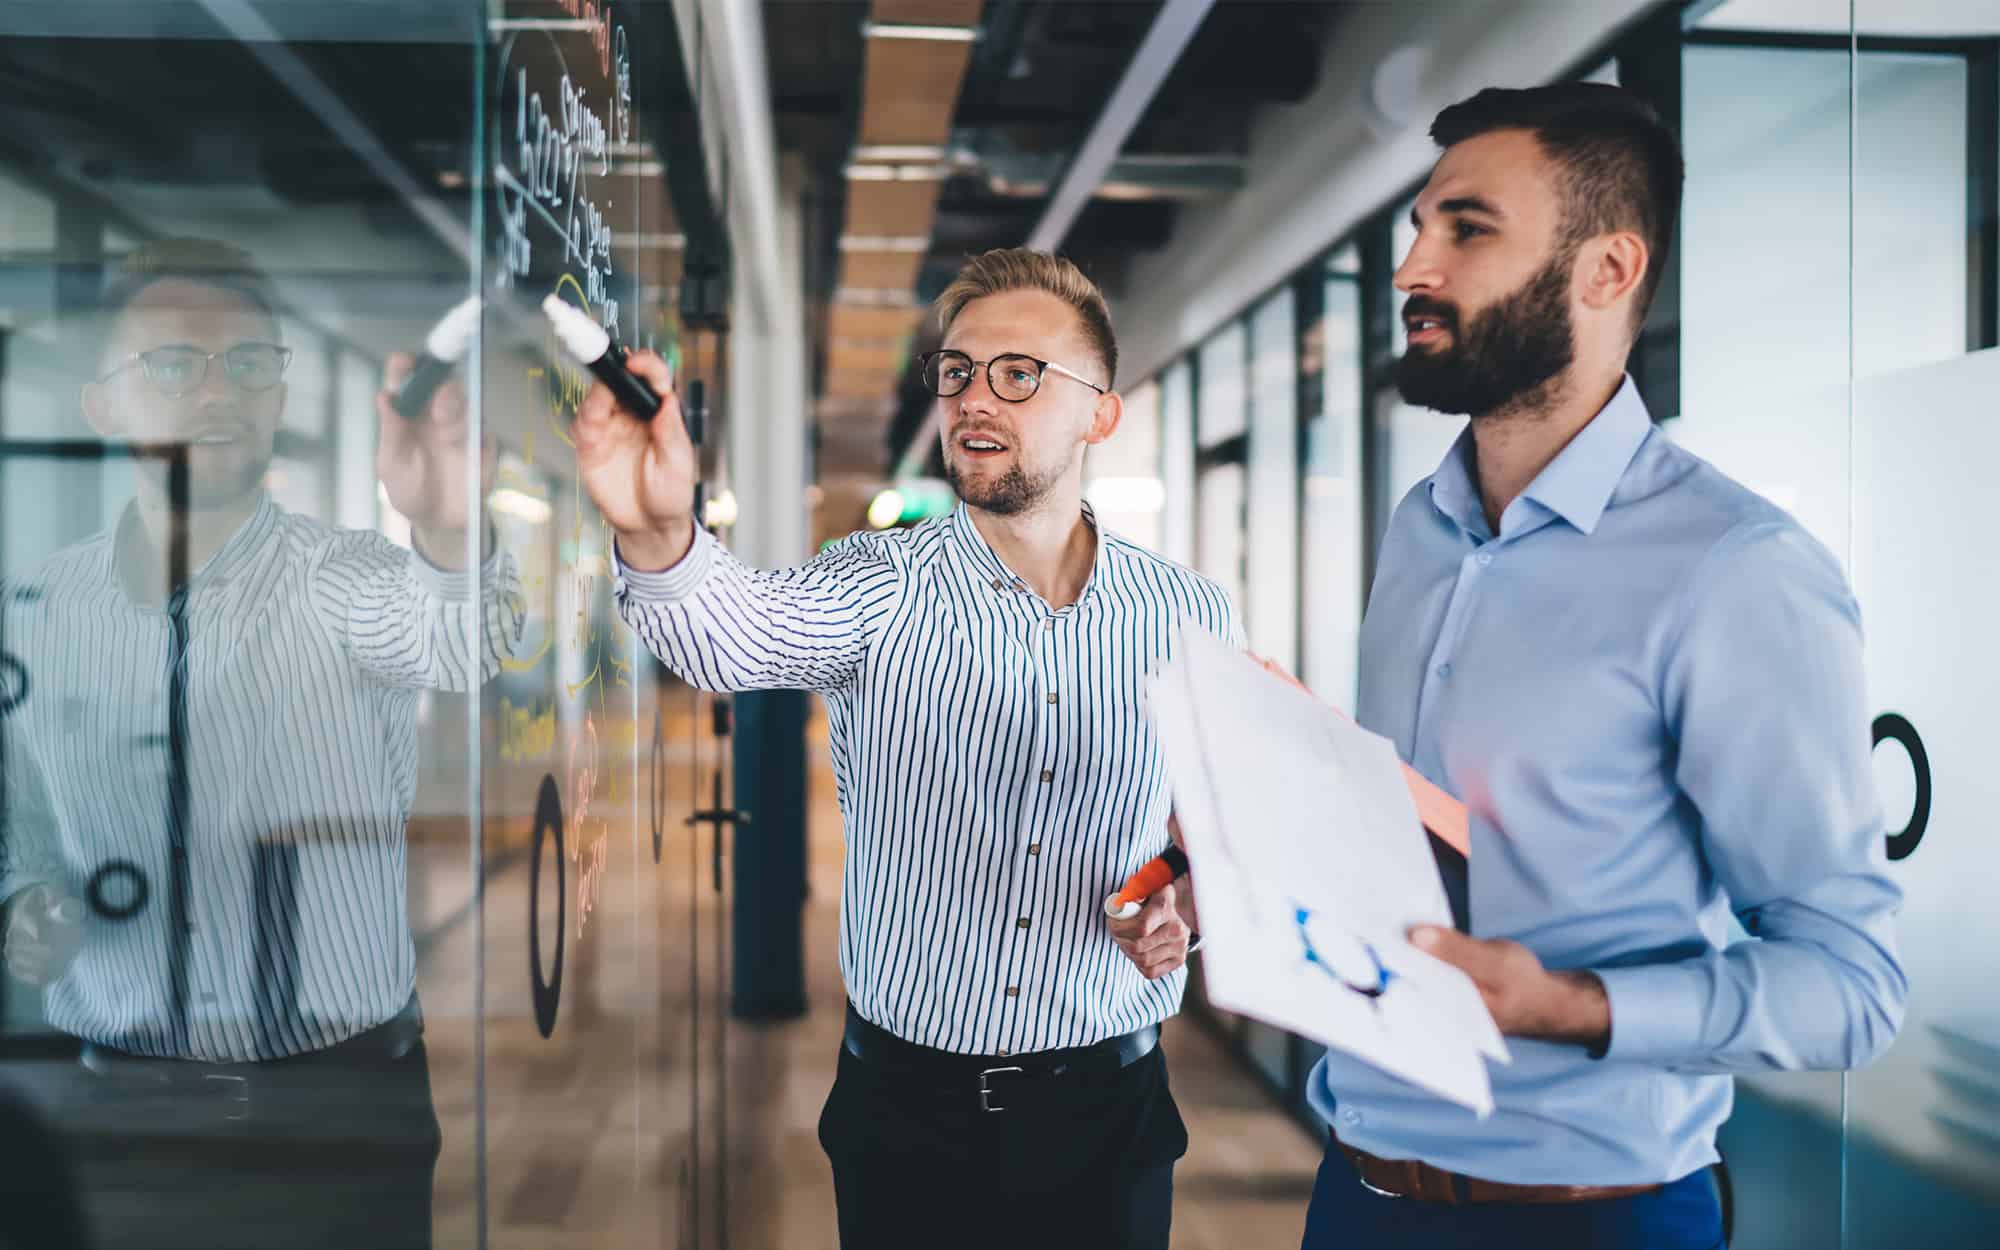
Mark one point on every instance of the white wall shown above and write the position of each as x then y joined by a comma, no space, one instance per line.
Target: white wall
1319,167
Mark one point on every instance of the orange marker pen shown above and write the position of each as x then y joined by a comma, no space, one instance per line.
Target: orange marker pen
1157,873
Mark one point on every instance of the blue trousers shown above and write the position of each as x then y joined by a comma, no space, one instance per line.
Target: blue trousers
1685,1215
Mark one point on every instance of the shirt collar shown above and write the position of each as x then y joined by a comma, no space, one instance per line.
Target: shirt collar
990,568
130,548
1576,486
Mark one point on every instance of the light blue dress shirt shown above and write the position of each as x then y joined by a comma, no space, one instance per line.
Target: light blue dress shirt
1647,689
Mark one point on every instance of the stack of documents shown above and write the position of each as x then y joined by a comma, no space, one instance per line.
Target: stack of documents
1310,865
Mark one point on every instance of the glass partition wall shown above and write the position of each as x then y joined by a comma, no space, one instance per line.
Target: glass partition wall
350,889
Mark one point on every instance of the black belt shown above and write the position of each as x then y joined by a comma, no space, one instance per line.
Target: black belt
950,1073
390,1041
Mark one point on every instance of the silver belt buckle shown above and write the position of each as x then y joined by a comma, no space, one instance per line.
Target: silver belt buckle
239,1096
1374,1190
986,1091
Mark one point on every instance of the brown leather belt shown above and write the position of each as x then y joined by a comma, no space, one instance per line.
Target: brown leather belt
1409,1178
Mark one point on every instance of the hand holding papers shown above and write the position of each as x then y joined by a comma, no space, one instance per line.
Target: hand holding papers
1312,867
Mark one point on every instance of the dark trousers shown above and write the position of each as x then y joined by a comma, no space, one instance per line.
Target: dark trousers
1345,1215
335,1148
1079,1160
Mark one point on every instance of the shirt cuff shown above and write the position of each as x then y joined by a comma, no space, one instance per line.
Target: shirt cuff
455,585
1656,1011
669,585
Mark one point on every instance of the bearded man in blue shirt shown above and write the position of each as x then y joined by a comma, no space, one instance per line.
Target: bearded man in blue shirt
1645,682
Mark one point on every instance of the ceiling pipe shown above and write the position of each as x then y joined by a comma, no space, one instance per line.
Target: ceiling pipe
1158,53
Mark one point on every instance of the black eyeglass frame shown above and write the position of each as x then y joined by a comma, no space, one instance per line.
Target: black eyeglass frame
1041,367
207,360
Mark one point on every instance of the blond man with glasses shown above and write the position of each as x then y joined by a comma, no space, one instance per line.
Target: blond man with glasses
1000,1081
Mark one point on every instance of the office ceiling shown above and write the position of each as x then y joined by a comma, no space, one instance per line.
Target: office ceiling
930,130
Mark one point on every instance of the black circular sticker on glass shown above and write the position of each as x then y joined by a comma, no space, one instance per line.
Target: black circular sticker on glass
548,824
1891,726
117,890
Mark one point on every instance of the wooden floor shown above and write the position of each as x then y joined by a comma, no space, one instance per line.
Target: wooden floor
1243,1184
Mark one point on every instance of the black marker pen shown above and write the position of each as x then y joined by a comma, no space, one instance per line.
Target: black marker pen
444,347
595,349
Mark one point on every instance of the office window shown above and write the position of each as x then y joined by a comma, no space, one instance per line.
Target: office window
1122,475
1219,527
1221,412
1271,557
1177,462
1764,359
1332,526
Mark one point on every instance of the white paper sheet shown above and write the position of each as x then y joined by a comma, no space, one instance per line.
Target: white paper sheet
1310,866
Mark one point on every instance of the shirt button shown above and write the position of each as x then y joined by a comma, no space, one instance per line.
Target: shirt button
1485,557
1444,670
1034,848
1052,696
1013,991
1047,776
998,584
1048,622
1350,1117
1022,923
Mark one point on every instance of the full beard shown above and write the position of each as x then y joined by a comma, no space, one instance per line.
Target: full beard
1509,353
1009,494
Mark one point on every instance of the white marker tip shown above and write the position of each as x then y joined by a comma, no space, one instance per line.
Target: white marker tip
579,335
453,333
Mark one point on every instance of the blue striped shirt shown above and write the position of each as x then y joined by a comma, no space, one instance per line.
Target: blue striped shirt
307,651
997,772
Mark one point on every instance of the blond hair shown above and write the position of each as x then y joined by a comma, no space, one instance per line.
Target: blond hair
205,262
1020,269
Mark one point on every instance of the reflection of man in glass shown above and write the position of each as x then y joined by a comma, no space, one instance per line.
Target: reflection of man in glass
226,739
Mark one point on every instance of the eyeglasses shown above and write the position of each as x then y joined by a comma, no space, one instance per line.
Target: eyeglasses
1013,377
181,370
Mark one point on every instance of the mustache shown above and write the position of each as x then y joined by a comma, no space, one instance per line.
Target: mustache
1426,306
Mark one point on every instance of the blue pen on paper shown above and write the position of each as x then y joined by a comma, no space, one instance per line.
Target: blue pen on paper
598,352
444,347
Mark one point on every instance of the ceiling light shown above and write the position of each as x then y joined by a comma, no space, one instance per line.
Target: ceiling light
886,510
721,510
885,243
898,152
874,297
896,173
650,241
902,30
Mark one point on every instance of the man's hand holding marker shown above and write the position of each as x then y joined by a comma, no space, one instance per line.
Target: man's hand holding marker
1153,917
1155,933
